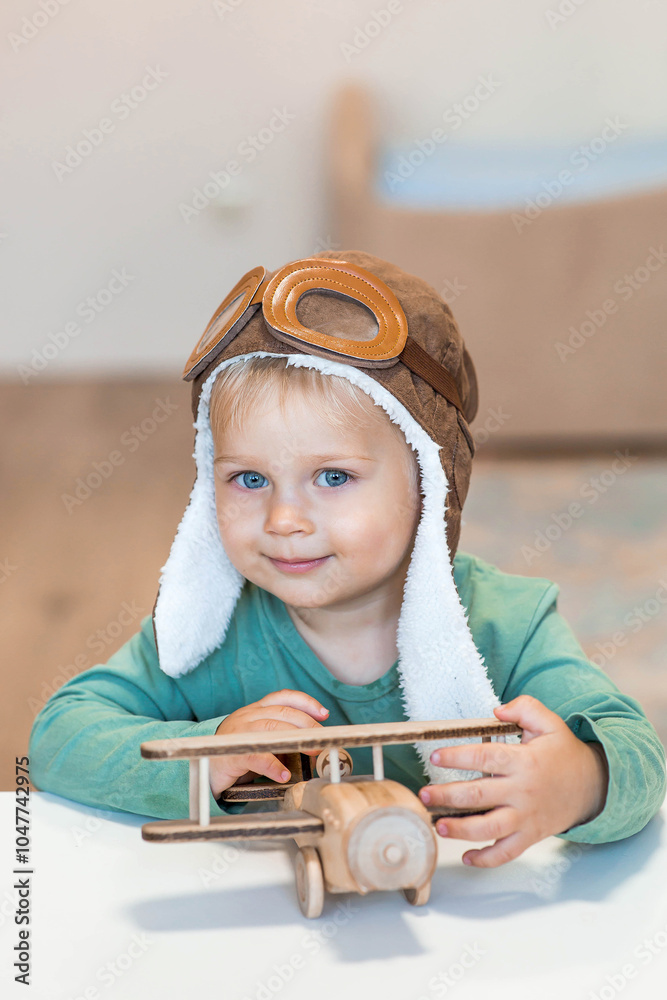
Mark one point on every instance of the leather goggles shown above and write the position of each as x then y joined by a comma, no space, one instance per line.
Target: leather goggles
369,310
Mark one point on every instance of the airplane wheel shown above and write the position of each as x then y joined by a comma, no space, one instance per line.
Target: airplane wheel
309,881
417,897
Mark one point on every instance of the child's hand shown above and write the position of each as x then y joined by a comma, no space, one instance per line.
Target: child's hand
279,710
547,784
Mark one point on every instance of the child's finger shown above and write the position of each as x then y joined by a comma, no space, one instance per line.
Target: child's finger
239,765
504,850
296,699
500,822
268,765
491,758
532,715
278,717
480,793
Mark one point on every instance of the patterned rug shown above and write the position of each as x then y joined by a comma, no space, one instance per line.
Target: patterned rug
598,528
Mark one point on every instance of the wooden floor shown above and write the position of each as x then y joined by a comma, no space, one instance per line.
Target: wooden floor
70,564
70,568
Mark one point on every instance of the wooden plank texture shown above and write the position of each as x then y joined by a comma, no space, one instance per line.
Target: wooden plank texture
379,733
253,826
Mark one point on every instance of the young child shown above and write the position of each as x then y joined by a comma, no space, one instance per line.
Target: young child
315,580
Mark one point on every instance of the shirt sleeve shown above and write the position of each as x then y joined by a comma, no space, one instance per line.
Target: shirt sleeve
553,668
85,742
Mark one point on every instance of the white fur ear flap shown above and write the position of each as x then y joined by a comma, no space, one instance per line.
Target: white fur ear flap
199,586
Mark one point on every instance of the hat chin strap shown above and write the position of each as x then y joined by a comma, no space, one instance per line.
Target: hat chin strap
442,675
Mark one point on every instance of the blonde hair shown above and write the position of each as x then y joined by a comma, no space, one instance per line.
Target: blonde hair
244,383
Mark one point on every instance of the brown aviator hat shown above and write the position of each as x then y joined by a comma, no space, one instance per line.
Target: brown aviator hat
431,325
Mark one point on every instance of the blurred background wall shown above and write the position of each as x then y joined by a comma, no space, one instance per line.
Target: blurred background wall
220,71
154,152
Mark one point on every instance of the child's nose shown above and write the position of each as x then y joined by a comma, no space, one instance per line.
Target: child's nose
287,515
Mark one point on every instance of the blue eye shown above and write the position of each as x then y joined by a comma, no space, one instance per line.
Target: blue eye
253,480
335,475
250,479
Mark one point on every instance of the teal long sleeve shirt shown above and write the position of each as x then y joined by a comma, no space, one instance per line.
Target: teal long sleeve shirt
85,741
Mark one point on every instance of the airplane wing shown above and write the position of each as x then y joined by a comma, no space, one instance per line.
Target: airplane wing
250,826
323,738
276,825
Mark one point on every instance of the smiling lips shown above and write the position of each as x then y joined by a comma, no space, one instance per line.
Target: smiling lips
297,566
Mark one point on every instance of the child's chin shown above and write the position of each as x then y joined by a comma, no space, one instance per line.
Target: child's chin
303,594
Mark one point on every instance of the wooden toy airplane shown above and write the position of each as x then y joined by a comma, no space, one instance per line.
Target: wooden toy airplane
355,834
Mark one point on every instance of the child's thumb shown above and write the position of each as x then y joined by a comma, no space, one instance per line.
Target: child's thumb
534,718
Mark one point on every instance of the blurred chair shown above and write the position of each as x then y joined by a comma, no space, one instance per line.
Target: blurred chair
563,305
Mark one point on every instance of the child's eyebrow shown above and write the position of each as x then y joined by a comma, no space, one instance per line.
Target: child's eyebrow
315,459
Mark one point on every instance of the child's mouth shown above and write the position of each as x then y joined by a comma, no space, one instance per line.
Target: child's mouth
298,567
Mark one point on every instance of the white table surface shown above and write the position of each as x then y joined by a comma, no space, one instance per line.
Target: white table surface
116,917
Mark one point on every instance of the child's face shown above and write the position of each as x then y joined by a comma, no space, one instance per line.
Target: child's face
294,486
